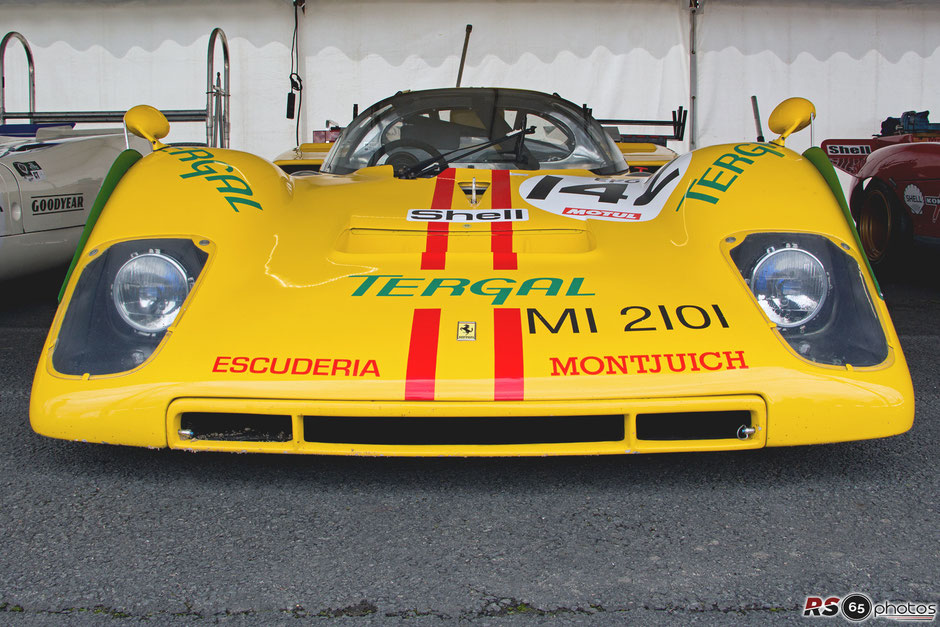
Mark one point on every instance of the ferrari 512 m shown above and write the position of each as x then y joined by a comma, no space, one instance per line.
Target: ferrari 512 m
473,272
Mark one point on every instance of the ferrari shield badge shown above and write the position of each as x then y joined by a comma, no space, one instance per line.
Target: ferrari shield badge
466,331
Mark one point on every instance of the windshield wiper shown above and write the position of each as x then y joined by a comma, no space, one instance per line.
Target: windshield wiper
416,170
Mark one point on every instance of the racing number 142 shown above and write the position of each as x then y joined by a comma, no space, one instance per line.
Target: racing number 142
689,316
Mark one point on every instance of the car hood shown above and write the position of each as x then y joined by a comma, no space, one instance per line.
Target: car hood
364,286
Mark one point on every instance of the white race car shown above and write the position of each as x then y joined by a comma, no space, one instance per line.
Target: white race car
49,177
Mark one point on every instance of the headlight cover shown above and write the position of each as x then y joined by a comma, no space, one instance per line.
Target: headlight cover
790,285
123,304
149,290
815,294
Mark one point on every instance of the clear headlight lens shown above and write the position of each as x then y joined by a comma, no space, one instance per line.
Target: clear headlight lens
123,303
790,285
815,293
149,290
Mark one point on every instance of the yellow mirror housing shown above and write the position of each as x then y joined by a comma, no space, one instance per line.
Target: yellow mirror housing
790,116
147,122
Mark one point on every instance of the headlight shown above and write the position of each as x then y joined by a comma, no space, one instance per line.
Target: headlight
149,290
815,294
123,304
790,285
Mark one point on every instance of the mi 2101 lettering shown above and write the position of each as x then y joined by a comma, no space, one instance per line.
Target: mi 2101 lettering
639,318
689,316
203,163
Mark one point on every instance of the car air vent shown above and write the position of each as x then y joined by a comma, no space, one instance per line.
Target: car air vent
473,189
692,425
235,427
459,430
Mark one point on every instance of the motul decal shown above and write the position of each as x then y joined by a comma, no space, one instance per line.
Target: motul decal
615,200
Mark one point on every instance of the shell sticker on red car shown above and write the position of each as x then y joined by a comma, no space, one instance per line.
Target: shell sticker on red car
615,200
914,198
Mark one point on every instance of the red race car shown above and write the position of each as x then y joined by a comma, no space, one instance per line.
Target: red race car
896,197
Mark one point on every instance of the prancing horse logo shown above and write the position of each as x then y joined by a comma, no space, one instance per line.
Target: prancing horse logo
466,331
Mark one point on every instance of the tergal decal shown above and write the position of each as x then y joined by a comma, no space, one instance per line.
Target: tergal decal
203,163
717,178
499,288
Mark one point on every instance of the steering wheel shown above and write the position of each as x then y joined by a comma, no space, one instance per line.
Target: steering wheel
399,157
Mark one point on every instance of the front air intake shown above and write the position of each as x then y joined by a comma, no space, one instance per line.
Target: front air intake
467,431
692,425
219,427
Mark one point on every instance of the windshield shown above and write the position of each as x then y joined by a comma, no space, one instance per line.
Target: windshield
421,133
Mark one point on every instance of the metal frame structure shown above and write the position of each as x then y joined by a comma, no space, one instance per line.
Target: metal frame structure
678,124
215,114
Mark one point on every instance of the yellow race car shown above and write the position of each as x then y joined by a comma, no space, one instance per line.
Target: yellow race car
472,272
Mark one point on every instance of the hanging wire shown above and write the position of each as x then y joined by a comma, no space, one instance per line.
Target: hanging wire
296,83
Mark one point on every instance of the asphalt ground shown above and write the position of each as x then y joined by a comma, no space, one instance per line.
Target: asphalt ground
95,534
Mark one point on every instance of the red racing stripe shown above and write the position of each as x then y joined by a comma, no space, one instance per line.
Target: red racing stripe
509,373
422,355
435,252
501,239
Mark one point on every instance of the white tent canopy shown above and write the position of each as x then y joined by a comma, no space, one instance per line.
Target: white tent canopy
858,61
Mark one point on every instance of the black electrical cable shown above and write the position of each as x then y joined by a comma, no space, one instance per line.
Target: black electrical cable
296,83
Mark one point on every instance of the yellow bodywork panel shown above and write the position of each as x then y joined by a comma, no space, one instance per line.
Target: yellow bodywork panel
475,294
645,154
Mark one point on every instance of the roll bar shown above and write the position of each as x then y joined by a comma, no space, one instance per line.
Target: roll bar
217,94
30,68
215,114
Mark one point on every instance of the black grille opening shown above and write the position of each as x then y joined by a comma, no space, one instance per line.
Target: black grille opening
691,425
237,427
474,430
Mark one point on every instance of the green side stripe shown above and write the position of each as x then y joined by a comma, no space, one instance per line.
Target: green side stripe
120,166
818,158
